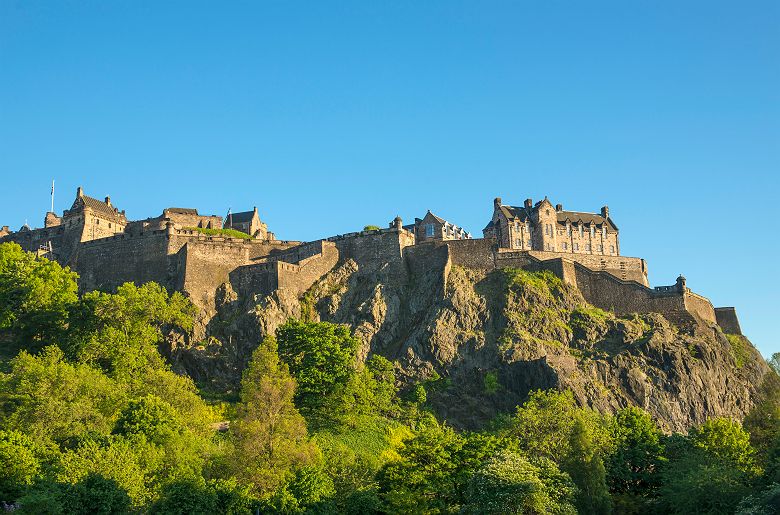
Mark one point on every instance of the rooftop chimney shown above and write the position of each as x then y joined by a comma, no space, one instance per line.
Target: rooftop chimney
605,211
497,202
559,207
529,203
79,192
108,201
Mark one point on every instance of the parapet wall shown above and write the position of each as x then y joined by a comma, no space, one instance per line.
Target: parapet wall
266,276
614,283
374,248
727,320
109,262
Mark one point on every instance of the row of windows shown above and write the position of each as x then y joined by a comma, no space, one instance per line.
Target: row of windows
565,247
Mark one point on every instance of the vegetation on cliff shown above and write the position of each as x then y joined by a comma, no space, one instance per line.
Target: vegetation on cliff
93,419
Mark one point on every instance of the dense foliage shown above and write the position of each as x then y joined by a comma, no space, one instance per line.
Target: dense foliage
93,420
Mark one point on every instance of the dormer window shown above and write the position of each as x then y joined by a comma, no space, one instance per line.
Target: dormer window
429,230
582,231
592,232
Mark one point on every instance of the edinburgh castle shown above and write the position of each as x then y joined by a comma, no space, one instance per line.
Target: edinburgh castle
202,255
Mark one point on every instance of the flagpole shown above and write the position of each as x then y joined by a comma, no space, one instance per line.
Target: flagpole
52,195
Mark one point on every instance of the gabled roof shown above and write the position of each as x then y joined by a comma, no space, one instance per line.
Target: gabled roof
440,220
518,212
523,214
97,205
240,218
588,218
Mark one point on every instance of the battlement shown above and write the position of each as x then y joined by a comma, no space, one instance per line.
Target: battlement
174,249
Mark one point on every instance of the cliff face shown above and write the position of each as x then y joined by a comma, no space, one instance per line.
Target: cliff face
483,340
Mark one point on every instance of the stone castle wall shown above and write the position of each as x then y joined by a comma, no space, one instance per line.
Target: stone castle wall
727,320
107,263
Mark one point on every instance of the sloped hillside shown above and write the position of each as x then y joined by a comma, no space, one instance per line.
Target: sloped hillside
481,341
484,340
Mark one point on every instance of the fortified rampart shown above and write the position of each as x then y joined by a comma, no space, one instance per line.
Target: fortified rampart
598,278
96,240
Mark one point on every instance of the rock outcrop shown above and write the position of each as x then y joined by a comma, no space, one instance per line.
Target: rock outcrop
482,340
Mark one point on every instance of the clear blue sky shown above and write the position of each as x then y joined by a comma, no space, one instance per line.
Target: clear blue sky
332,115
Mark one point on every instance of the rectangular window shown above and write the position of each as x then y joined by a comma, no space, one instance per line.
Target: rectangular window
429,230
529,244
587,247
611,249
518,243
564,246
568,230
592,232
582,231
604,232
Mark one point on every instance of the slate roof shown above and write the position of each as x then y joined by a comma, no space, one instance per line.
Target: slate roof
589,218
438,219
240,218
98,205
523,214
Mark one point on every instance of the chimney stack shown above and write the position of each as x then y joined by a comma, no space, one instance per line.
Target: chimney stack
605,211
559,207
79,192
529,203
497,202
108,201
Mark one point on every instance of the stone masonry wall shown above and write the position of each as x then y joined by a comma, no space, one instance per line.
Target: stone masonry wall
107,263
727,320
700,306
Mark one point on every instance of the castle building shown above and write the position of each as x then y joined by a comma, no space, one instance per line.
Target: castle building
98,242
542,227
184,217
431,227
248,222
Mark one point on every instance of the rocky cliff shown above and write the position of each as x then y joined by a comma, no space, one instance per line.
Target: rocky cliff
482,340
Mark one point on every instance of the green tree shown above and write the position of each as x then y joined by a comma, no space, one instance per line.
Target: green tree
151,417
35,297
424,477
270,434
120,332
132,463
157,422
765,502
50,399
709,471
726,440
510,483
544,423
632,466
322,358
20,464
188,496
763,420
586,469
95,494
